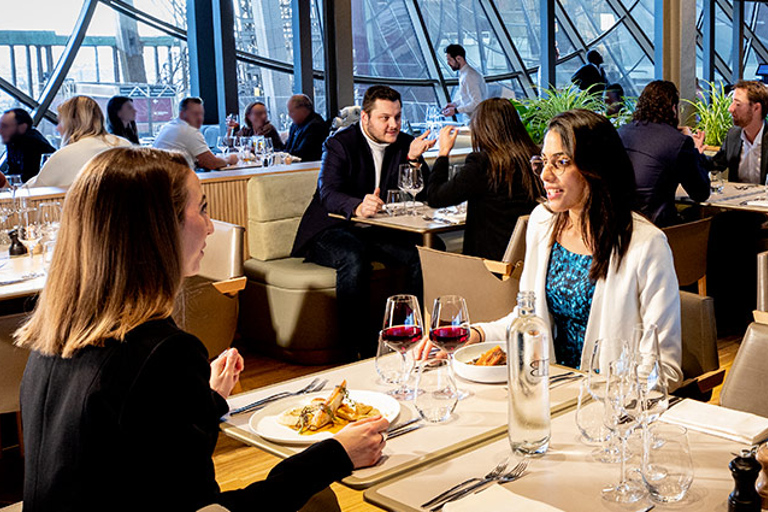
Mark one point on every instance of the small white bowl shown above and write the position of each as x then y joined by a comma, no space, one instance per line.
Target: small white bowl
484,374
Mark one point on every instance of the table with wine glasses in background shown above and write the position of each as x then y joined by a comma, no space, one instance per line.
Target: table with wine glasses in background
728,195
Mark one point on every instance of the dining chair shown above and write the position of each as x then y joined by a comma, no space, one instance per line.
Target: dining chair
16,507
744,387
13,360
762,281
689,248
203,309
700,364
515,251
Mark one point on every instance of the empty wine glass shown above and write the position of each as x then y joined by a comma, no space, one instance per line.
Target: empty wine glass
622,415
223,143
403,328
50,217
14,183
31,231
450,327
411,181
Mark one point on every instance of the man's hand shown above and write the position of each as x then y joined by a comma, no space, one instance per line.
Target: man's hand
371,205
419,145
447,139
450,110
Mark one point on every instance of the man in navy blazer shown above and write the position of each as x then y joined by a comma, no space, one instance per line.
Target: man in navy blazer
662,156
744,152
359,163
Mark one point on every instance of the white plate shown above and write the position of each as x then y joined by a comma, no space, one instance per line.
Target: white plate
484,374
265,424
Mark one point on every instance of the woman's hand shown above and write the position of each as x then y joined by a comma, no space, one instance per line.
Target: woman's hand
364,440
423,349
447,139
225,371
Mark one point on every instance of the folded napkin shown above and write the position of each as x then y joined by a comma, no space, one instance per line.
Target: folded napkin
451,216
718,421
498,499
758,202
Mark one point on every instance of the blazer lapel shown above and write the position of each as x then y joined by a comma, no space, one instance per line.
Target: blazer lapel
368,172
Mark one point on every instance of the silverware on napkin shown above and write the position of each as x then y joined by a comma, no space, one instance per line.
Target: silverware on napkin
507,477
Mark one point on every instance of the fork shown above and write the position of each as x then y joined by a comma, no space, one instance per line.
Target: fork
510,476
316,385
498,470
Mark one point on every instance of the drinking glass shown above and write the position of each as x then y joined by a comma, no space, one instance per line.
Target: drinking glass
5,238
605,351
223,143
395,204
410,181
31,231
390,366
269,152
14,183
716,182
667,469
651,380
450,327
50,217
48,248
437,396
589,418
622,415
403,328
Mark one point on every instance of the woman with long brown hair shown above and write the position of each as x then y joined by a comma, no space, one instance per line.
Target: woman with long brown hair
120,407
496,179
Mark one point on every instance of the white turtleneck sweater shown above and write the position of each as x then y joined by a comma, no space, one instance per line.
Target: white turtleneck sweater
377,149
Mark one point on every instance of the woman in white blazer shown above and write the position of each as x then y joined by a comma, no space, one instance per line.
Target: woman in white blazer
597,268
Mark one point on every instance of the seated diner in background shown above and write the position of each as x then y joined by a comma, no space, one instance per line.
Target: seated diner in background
83,136
100,432
743,153
308,130
256,125
359,162
495,180
121,118
662,155
183,135
597,269
24,145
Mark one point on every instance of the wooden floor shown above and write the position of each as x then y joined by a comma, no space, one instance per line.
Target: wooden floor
237,465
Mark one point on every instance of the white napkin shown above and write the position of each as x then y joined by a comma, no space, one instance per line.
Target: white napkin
451,215
718,421
498,499
758,202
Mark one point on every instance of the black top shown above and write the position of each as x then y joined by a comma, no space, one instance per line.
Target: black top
306,140
491,214
268,130
347,174
663,158
590,77
132,426
24,152
127,132
729,156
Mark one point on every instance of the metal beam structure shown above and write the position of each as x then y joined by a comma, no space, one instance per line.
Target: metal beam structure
428,51
547,68
737,51
303,79
339,66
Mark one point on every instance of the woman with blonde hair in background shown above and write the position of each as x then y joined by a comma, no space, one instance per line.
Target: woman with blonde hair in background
83,136
120,407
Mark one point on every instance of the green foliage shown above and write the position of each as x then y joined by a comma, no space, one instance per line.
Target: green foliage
536,112
712,117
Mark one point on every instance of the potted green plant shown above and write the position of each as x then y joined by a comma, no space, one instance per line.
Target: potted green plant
712,117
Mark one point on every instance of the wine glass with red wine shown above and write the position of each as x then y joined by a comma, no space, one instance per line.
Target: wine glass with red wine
450,327
403,329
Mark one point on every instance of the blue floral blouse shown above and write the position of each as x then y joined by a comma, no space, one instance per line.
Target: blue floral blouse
569,297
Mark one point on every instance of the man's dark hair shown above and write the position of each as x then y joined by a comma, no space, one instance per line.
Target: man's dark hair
594,57
656,103
183,104
379,92
21,116
616,89
456,50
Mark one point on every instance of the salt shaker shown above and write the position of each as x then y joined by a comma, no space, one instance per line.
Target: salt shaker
744,497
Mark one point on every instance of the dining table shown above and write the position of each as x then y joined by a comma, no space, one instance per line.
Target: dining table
480,417
733,196
428,222
566,478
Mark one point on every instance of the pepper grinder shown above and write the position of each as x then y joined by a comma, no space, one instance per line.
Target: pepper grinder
762,480
744,497
16,248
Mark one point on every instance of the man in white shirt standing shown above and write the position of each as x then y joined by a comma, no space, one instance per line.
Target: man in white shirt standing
472,88
183,134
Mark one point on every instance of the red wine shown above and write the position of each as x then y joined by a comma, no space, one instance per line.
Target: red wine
449,338
400,337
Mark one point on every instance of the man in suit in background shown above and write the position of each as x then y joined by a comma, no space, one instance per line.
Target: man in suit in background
359,163
308,131
591,76
25,145
743,152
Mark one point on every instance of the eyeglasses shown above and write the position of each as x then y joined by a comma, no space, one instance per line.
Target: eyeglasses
559,164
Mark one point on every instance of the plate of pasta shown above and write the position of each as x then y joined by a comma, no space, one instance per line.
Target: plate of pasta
315,417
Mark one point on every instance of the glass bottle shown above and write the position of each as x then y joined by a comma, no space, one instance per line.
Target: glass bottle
528,340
